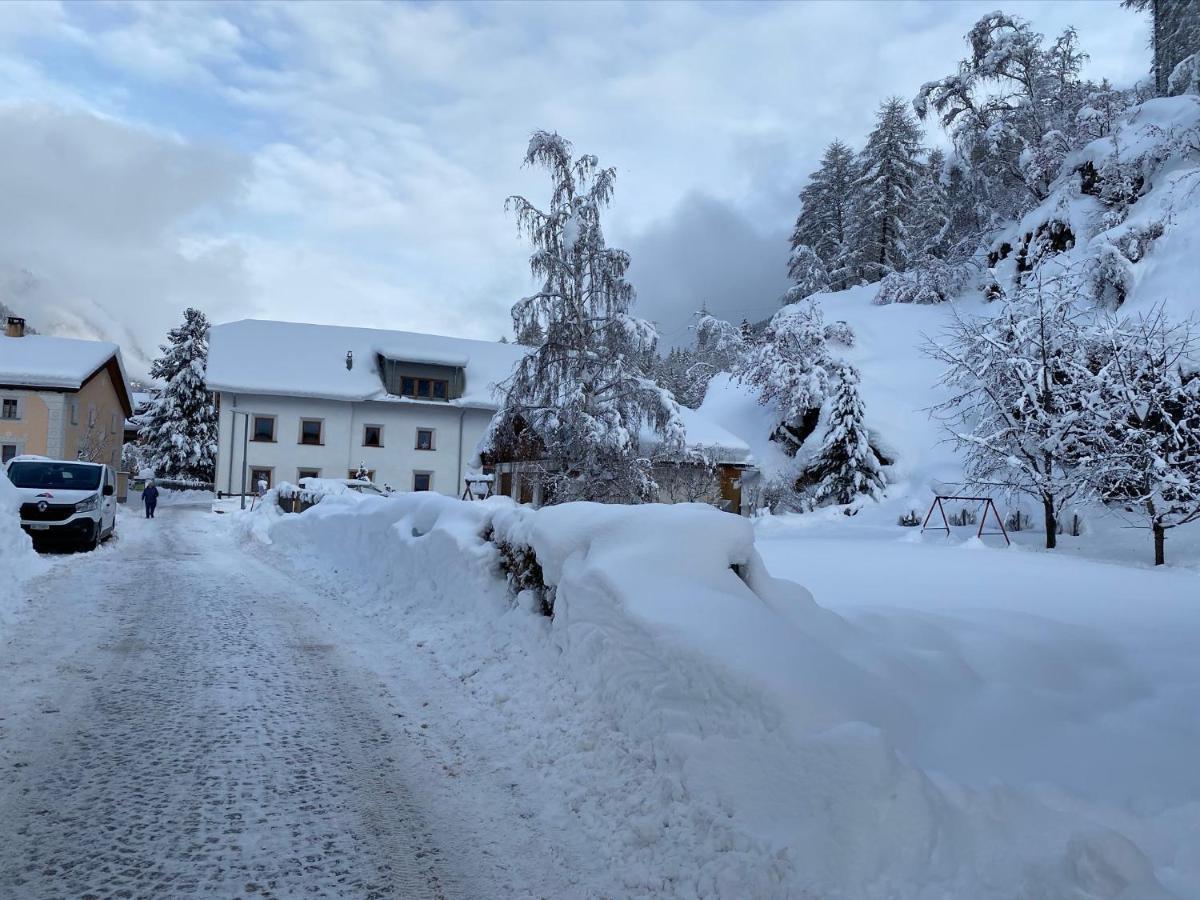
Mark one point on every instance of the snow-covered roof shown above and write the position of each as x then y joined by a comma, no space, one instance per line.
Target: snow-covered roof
706,436
41,361
296,359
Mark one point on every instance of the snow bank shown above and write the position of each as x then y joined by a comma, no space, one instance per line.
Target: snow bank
18,561
710,729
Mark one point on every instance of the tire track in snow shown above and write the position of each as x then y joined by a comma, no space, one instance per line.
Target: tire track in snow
177,728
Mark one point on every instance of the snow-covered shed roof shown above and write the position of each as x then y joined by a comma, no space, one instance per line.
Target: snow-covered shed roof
41,361
295,359
720,446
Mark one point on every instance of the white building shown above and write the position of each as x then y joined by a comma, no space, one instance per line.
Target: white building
301,400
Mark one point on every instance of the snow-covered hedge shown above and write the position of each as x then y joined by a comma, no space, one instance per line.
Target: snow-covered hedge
18,561
712,730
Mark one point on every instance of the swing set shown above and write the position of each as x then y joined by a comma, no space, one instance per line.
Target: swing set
988,506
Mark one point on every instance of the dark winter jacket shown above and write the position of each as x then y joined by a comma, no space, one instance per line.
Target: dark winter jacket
150,495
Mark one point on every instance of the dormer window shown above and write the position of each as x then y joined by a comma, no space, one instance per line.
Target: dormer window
424,388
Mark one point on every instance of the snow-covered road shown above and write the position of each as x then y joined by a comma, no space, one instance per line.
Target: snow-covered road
178,721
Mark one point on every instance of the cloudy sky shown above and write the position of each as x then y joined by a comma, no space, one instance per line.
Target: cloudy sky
348,162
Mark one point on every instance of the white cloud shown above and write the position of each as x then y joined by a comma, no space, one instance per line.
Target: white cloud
377,142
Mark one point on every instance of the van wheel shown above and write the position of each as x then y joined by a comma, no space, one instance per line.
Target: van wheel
93,541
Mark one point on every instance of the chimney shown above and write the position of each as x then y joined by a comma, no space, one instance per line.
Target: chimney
15,327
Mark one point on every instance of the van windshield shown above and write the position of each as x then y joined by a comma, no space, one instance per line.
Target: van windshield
61,475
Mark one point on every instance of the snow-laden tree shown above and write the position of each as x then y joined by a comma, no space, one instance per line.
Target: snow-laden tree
180,427
1021,409
823,224
847,466
889,171
1010,109
582,398
790,369
1149,444
807,272
930,229
719,344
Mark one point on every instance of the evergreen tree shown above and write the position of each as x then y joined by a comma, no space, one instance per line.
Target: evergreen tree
847,467
889,172
790,367
583,396
180,428
808,274
823,224
531,335
931,233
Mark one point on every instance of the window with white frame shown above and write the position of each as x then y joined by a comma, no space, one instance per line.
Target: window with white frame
425,438
422,481
10,408
372,435
307,473
8,452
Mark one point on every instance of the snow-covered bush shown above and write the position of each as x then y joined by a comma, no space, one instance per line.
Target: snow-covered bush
931,281
840,333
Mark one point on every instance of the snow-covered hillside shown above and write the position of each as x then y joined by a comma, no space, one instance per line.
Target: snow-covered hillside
1123,223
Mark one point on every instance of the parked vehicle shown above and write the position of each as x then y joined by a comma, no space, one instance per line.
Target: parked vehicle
66,501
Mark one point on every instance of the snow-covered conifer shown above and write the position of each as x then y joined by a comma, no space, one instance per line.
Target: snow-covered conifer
823,224
847,466
180,427
582,397
889,171
807,272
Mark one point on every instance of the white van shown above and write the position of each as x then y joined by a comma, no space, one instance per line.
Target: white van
73,502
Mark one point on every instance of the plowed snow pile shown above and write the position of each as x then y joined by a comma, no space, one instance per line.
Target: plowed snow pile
705,730
17,559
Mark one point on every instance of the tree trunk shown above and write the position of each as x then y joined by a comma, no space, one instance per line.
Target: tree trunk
1160,537
1051,523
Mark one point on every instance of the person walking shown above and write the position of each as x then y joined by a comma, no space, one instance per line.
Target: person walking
150,498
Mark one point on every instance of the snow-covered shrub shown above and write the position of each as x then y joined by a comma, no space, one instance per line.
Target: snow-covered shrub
790,367
909,519
840,333
1185,77
1109,275
522,571
931,281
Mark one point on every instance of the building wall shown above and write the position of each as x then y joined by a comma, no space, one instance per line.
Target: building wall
29,432
343,432
94,422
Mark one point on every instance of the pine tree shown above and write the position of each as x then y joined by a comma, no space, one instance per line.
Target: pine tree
889,171
531,335
583,396
931,212
823,224
808,274
847,466
180,428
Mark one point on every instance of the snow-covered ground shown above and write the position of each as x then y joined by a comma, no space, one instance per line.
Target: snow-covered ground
18,562
947,719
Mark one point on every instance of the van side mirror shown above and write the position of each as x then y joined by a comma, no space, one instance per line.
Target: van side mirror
108,490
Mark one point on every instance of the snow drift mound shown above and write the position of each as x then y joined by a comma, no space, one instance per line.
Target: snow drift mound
17,558
710,730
